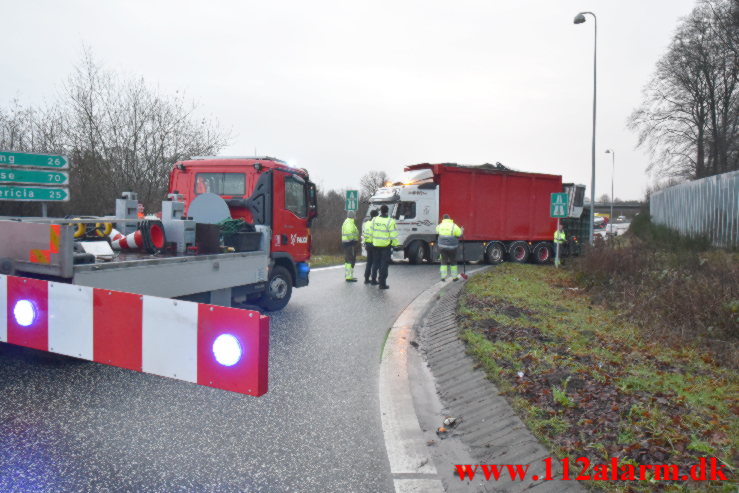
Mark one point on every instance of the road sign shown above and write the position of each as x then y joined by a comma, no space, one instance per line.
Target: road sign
352,200
20,175
33,160
33,194
558,205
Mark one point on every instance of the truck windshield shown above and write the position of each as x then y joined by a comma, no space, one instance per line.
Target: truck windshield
220,183
375,206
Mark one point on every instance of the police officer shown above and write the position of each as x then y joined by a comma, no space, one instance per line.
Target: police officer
559,242
370,270
384,237
448,242
349,238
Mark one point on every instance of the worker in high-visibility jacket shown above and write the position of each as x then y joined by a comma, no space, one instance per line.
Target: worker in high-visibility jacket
559,241
384,238
349,239
370,269
448,242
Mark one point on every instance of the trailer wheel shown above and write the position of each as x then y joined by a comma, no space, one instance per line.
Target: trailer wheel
542,253
416,252
279,289
518,252
494,253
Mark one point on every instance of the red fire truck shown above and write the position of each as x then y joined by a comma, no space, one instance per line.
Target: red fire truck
64,290
264,192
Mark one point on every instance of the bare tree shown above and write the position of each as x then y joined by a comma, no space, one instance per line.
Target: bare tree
119,134
372,181
689,118
123,135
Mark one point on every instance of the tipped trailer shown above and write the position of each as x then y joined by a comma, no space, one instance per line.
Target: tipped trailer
504,213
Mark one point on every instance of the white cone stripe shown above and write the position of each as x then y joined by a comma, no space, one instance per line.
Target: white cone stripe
70,320
3,309
170,338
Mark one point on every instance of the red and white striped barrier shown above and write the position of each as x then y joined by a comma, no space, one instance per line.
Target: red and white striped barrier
210,345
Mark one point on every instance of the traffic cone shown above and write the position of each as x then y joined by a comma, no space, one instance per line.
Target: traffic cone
149,237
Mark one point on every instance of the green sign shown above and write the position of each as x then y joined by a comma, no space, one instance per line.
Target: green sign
20,175
352,200
33,160
558,206
33,194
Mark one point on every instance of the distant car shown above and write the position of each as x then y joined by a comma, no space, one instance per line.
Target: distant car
621,218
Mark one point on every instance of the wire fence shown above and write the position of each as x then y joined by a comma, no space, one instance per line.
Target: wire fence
709,207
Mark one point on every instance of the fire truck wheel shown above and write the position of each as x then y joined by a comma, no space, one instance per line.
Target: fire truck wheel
416,252
518,252
7,266
279,290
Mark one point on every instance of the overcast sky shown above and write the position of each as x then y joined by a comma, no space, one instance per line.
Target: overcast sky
344,87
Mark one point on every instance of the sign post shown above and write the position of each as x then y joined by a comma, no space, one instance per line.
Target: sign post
352,200
558,209
41,171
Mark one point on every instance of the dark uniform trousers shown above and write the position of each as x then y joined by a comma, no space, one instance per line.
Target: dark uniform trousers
350,254
382,257
448,257
370,270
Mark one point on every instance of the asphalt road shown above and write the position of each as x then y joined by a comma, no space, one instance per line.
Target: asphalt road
72,425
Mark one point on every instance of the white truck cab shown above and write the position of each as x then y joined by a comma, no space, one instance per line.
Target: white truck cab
414,204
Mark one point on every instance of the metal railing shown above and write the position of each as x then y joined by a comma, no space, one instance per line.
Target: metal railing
709,206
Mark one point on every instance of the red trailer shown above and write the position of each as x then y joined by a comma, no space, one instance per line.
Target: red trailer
503,212
496,204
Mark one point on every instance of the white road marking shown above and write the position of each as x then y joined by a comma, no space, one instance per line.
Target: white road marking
418,486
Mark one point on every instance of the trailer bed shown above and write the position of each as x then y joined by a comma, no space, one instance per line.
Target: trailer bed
46,250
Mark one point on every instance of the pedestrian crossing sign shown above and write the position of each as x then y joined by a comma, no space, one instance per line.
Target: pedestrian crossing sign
352,200
558,206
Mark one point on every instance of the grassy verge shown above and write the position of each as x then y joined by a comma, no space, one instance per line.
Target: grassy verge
670,286
329,260
588,383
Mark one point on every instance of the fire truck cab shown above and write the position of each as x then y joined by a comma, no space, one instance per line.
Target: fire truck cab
263,191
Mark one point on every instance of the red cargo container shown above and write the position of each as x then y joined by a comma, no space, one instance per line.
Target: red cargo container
495,204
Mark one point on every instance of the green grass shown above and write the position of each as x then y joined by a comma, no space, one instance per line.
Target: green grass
593,384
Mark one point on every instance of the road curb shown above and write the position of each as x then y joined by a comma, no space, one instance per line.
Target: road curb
488,426
411,465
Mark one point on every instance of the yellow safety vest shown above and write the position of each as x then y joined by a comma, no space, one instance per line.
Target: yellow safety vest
448,233
367,230
349,231
384,232
559,237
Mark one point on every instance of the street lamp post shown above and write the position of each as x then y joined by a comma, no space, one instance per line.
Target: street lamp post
579,19
613,173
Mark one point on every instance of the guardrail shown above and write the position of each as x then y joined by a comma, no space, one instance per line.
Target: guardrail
709,206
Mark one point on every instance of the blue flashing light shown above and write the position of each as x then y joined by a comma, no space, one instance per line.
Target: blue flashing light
24,312
303,268
227,350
